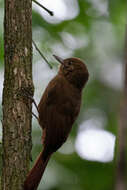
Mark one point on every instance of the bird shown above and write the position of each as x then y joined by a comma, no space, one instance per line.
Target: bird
58,109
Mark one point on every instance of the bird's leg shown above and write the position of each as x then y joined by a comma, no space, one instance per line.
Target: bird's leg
35,116
32,99
27,95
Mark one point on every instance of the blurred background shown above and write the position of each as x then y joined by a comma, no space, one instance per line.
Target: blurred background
93,30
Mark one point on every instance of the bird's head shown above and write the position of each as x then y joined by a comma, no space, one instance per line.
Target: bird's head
74,70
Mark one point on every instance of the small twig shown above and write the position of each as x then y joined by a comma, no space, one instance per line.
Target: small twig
50,12
42,55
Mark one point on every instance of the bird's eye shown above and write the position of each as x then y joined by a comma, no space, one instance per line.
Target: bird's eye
70,63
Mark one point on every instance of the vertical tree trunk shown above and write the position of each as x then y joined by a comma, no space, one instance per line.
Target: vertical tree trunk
121,169
17,78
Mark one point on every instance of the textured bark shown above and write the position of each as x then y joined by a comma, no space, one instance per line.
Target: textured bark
121,169
17,78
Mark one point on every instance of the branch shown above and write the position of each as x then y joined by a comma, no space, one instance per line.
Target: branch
125,62
121,165
42,54
50,12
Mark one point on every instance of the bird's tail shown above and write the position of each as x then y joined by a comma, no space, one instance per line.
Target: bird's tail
34,176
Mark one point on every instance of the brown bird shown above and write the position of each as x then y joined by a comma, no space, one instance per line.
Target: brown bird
58,109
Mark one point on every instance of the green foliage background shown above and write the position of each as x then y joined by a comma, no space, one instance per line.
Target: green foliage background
104,34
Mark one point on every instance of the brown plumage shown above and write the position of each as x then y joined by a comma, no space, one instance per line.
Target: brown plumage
58,109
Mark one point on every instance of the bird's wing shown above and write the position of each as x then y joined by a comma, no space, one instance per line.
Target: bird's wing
56,113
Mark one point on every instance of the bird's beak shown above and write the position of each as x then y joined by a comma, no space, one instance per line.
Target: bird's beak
59,59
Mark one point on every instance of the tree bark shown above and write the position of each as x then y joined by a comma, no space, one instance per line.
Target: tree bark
121,169
17,79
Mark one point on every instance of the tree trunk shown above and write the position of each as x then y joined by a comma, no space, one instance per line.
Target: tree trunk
121,169
17,79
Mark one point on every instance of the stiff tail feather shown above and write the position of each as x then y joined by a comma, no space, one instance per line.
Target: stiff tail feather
34,176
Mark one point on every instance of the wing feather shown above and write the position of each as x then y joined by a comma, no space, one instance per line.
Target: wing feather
57,114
